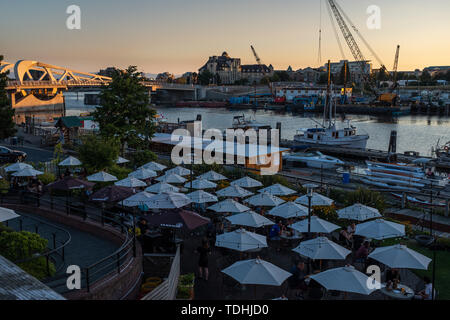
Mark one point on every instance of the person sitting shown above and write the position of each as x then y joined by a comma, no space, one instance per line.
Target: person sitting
143,226
351,229
275,232
393,275
363,252
297,280
427,292
345,237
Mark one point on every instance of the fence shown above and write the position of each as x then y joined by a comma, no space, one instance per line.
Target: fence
167,290
110,265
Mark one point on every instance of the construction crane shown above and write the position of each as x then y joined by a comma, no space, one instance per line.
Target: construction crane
258,60
391,97
263,70
351,42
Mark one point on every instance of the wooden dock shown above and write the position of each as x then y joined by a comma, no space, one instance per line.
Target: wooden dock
366,154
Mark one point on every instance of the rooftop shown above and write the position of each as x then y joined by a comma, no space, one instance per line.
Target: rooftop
16,284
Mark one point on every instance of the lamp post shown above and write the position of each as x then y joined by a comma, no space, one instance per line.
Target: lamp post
309,193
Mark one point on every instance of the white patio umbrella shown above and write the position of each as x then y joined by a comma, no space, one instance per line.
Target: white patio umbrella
121,160
201,196
380,229
154,166
241,240
7,214
70,162
317,225
250,219
102,177
18,166
289,210
27,172
137,199
162,187
234,192
359,212
401,257
143,174
168,200
228,205
131,183
212,176
200,184
316,200
322,248
179,171
246,182
346,279
264,200
278,190
171,178
257,272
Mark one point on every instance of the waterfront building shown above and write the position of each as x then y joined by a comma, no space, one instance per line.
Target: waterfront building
228,70
354,68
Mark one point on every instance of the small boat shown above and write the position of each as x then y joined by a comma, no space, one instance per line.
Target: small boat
314,159
241,122
388,186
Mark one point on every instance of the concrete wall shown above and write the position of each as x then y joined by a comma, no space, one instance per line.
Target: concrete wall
43,110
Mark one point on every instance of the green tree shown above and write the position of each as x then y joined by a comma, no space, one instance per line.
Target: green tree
205,77
124,110
7,125
22,245
283,76
98,153
425,78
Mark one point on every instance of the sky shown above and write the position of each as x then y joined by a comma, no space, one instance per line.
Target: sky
179,35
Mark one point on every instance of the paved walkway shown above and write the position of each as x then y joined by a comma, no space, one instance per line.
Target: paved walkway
440,223
222,287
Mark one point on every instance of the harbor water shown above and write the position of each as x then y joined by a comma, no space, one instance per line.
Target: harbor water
414,132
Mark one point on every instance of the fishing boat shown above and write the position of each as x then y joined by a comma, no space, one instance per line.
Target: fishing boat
314,159
328,134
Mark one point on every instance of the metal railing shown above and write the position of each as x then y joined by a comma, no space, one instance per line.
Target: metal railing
114,263
58,245
167,290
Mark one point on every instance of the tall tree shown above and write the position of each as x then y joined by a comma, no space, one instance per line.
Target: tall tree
205,77
7,126
124,111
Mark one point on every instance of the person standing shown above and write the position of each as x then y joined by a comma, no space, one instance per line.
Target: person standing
204,250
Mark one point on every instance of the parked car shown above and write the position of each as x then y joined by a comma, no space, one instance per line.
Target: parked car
8,155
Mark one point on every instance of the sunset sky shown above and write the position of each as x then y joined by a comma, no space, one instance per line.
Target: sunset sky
179,35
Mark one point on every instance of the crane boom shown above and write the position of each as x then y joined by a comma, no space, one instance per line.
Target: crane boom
258,60
351,42
394,70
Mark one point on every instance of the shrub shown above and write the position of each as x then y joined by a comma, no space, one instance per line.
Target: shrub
97,153
4,186
23,245
119,172
47,178
141,157
366,197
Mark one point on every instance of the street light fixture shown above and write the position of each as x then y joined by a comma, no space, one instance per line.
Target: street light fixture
309,193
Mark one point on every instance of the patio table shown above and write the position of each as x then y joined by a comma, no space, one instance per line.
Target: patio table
397,294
